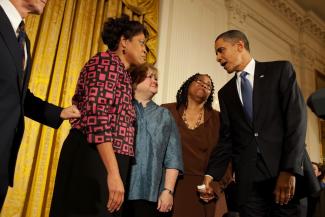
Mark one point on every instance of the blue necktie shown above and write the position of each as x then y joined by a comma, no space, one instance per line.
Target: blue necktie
247,95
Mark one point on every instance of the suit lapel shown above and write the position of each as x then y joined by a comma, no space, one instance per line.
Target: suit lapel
9,36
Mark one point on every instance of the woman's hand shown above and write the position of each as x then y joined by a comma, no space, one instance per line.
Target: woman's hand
114,181
116,192
165,201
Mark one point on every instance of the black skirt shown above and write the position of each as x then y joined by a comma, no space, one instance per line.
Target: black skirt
81,181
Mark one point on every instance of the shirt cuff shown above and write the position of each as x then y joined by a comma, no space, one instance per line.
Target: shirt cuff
209,176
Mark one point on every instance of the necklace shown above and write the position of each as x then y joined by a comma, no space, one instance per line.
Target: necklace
198,122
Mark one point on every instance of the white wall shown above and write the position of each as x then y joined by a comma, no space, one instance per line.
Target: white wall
276,30
187,32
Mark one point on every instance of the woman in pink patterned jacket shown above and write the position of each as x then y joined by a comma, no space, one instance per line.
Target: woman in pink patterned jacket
95,156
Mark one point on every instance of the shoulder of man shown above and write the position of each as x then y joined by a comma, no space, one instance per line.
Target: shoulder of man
277,63
228,85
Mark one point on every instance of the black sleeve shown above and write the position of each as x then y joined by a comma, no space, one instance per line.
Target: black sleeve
41,111
295,118
221,155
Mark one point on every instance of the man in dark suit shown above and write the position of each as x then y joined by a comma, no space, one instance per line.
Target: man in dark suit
263,128
16,101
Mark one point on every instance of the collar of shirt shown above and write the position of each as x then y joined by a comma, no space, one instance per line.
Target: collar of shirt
250,69
117,59
12,13
143,113
150,104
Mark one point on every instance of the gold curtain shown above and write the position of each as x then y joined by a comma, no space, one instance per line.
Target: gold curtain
62,40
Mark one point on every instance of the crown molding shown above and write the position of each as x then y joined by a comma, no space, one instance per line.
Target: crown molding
237,11
304,21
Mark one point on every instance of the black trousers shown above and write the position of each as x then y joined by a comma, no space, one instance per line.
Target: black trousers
261,203
3,191
142,208
81,181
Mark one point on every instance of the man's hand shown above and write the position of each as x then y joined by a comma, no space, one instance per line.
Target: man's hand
285,188
206,194
116,192
71,112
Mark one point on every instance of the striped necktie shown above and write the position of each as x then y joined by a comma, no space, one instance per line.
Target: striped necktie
21,42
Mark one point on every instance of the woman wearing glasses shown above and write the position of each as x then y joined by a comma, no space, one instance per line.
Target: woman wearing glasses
158,157
198,124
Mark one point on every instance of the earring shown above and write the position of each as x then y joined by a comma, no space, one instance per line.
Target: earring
123,51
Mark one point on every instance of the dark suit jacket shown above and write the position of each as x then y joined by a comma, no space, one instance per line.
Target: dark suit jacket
278,128
16,101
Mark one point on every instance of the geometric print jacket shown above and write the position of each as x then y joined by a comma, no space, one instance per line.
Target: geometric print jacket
104,98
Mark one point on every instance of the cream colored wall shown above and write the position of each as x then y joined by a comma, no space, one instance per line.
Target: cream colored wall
276,30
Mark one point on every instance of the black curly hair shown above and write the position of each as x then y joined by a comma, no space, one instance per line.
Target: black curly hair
181,96
122,26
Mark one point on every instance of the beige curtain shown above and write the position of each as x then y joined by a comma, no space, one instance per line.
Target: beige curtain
63,39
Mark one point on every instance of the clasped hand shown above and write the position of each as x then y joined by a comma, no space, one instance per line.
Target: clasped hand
206,195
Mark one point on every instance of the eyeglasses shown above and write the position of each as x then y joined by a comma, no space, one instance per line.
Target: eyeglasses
204,84
142,42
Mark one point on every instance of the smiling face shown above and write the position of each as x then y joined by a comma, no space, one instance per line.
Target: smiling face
230,55
149,86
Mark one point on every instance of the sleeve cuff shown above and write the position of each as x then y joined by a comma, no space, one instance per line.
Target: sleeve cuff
209,176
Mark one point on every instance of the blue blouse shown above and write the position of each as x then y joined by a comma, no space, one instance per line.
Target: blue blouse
157,147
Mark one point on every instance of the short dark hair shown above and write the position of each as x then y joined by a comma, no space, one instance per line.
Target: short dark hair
122,26
139,73
181,96
234,36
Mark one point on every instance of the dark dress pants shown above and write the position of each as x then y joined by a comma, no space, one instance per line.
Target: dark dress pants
142,208
261,203
3,192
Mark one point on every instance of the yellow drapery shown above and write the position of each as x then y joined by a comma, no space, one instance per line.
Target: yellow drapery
62,40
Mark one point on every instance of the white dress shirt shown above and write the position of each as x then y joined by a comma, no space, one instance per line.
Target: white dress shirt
14,18
250,69
12,14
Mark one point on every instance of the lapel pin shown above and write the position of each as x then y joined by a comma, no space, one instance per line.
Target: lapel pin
261,76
